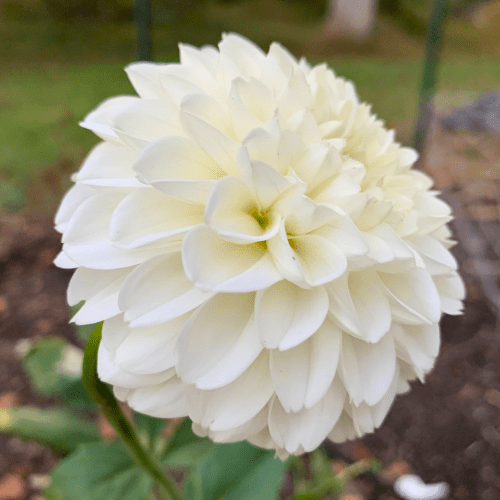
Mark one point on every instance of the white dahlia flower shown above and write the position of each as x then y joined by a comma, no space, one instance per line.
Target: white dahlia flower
264,257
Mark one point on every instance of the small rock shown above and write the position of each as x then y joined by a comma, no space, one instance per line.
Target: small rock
395,470
4,305
461,493
474,451
8,399
338,466
38,481
12,487
492,396
468,391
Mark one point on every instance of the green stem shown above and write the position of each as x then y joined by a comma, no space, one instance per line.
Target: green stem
107,403
336,483
429,78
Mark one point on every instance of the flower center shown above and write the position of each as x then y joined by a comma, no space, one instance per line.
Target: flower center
262,217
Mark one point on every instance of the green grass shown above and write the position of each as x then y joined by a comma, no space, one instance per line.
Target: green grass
41,142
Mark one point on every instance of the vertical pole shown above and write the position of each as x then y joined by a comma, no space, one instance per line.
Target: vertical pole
143,21
429,78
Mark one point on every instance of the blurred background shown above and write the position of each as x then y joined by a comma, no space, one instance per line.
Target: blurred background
60,58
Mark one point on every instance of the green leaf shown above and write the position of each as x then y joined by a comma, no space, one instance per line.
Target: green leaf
99,471
185,448
58,429
236,471
53,366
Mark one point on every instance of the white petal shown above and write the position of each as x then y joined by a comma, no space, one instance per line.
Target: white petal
232,210
109,164
303,374
451,291
244,53
209,110
100,291
244,352
64,262
71,201
147,216
245,110
287,315
86,238
218,146
150,350
158,291
102,120
175,158
110,373
148,120
114,330
367,369
359,306
343,430
324,356
414,296
250,428
165,400
417,345
212,263
235,404
178,167
203,343
436,257
284,257
145,77
306,429
268,183
321,260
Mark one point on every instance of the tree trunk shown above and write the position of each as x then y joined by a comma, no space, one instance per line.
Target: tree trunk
351,18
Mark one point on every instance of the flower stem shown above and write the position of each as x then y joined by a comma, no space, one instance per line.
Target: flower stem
107,403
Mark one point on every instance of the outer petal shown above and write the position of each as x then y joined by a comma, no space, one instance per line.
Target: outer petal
287,315
109,164
250,428
71,201
221,148
86,237
158,291
212,263
367,369
235,404
359,306
99,289
148,216
178,167
305,430
235,362
451,291
150,350
203,344
414,297
417,345
303,374
110,373
164,400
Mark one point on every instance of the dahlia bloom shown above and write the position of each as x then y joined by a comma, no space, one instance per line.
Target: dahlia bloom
263,256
